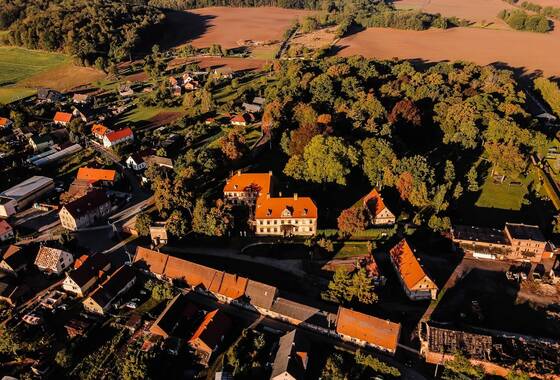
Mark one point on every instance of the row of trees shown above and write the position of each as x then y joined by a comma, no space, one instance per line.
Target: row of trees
521,20
549,11
549,92
342,366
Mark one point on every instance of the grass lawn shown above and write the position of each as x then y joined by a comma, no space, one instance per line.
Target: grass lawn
17,64
349,249
143,114
265,52
505,195
10,94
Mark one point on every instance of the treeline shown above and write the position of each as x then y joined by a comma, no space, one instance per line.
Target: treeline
520,20
547,11
549,92
192,4
96,31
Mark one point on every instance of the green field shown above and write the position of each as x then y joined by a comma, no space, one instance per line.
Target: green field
506,196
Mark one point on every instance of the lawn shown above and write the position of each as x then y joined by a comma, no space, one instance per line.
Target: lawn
506,195
10,94
144,114
349,249
17,64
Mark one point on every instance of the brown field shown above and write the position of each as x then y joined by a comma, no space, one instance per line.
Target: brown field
317,39
236,64
521,50
164,118
63,78
228,26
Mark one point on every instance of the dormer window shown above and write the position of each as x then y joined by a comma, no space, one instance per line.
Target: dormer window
235,186
304,213
269,212
288,211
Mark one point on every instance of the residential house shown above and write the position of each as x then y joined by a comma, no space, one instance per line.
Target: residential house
104,177
81,98
162,162
86,274
137,160
158,233
209,335
101,299
6,231
290,362
416,284
53,260
84,112
99,131
259,100
252,108
125,90
77,327
378,212
366,330
240,119
176,318
121,136
285,216
516,242
17,197
40,143
85,211
5,123
15,260
62,118
224,72
245,188
48,95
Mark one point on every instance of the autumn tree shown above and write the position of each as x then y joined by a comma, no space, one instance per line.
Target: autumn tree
233,145
143,223
352,220
407,112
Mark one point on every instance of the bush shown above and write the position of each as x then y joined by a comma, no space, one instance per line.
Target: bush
520,20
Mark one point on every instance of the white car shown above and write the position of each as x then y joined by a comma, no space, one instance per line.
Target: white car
130,305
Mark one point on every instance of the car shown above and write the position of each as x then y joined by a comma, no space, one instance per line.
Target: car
130,305
63,307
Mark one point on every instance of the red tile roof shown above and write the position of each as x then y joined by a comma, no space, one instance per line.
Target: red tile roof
93,175
410,270
293,207
257,182
62,117
4,121
100,130
155,261
119,135
214,325
239,118
4,227
378,332
374,202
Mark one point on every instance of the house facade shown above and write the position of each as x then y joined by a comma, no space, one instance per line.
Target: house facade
416,284
378,212
122,136
6,231
85,211
245,188
101,299
52,260
285,216
209,335
40,143
99,131
86,275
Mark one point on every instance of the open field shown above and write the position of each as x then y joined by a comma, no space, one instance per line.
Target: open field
17,64
230,26
521,50
504,196
236,64
64,77
317,39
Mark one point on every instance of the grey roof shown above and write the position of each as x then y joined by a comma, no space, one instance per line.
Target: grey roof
41,139
26,187
291,356
112,287
479,234
301,312
525,232
259,294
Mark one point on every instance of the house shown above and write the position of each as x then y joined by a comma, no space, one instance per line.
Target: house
285,216
86,275
6,231
40,143
121,136
259,100
378,212
101,299
84,112
53,260
5,123
17,197
81,98
209,335
99,131
290,362
162,162
416,284
62,118
516,242
368,331
252,108
48,95
158,234
175,319
125,90
15,260
240,119
137,161
105,177
224,72
245,188
77,327
85,211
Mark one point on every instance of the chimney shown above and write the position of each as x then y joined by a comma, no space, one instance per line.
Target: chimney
267,195
239,172
295,196
270,173
280,194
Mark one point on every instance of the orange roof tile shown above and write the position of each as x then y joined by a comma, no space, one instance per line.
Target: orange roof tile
62,117
378,332
155,261
213,326
293,207
233,286
239,118
374,202
100,130
92,175
410,270
4,227
119,135
256,182
4,121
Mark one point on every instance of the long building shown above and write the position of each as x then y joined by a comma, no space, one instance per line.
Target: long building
17,197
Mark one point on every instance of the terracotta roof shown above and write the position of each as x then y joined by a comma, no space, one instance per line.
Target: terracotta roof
4,121
80,97
214,325
374,202
259,294
233,286
239,118
99,129
410,270
16,256
87,203
48,257
119,135
178,310
295,207
92,267
256,182
4,227
378,332
194,274
93,175
154,261
62,117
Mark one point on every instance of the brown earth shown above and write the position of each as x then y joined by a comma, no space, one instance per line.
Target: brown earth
164,118
526,51
317,39
64,78
236,64
227,26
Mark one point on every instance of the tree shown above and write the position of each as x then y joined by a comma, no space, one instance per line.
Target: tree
161,290
405,111
333,369
322,89
63,358
213,221
339,288
133,366
362,287
506,158
352,220
9,342
378,159
460,365
300,137
233,145
550,93
517,375
325,159
472,179
143,223
177,224
375,364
